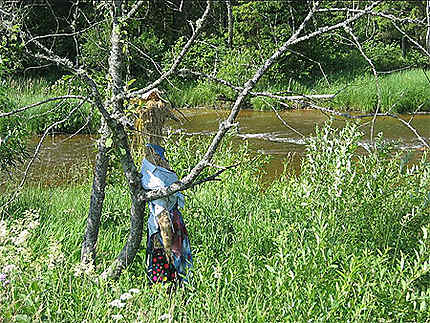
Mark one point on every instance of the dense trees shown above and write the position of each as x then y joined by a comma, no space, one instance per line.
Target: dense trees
259,26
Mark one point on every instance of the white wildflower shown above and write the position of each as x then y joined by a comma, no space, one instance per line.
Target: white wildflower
33,224
117,317
81,268
22,237
125,296
3,230
9,268
164,317
217,272
55,257
134,291
117,303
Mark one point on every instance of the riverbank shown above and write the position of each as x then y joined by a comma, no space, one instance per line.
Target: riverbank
65,159
404,91
401,92
343,241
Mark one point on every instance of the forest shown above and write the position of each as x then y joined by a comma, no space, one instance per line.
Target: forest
339,232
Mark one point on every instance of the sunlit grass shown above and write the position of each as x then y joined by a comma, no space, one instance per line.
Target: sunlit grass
347,240
24,91
401,92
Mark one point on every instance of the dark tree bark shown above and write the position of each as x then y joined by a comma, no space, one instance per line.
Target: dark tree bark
230,23
88,251
428,26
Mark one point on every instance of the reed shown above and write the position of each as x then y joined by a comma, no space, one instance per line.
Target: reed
400,92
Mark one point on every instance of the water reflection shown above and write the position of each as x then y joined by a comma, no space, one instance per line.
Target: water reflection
61,159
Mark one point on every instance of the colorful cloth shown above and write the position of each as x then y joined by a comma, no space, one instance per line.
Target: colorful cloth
159,268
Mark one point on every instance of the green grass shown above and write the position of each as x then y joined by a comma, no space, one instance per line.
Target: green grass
401,92
23,91
346,240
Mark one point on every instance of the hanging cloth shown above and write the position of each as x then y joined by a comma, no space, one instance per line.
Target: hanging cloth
163,267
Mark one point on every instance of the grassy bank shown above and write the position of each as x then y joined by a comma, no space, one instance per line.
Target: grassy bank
347,240
25,91
401,92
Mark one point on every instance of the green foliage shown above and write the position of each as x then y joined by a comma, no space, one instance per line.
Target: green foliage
24,91
346,240
95,47
11,50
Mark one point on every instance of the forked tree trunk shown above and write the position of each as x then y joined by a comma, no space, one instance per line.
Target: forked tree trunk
129,251
120,139
153,116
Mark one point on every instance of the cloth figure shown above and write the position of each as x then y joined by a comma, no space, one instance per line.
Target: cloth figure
164,264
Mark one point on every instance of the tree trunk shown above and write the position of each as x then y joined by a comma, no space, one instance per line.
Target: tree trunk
88,251
128,252
230,24
404,49
428,26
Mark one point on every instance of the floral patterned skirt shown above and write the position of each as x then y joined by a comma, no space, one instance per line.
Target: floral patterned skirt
161,269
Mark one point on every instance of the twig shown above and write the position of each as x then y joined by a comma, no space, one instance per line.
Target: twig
7,114
199,24
36,153
283,121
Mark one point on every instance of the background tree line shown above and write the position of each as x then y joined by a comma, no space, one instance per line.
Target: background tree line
258,28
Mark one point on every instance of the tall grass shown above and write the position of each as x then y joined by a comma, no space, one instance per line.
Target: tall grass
401,92
346,240
23,91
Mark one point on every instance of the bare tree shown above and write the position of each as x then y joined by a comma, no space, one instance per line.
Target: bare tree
428,25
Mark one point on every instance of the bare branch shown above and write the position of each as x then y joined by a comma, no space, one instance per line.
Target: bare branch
134,9
226,125
284,122
375,13
76,33
64,97
375,74
37,150
214,177
199,24
230,23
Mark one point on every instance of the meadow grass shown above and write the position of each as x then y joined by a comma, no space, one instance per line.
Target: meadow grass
23,91
401,92
346,240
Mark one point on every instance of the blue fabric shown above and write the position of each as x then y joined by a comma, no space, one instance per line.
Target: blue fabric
154,177
159,150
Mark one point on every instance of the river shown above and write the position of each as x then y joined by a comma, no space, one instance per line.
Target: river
61,157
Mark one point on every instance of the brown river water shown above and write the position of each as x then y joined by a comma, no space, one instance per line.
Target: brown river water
61,159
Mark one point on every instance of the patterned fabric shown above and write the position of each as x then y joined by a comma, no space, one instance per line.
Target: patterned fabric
168,259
